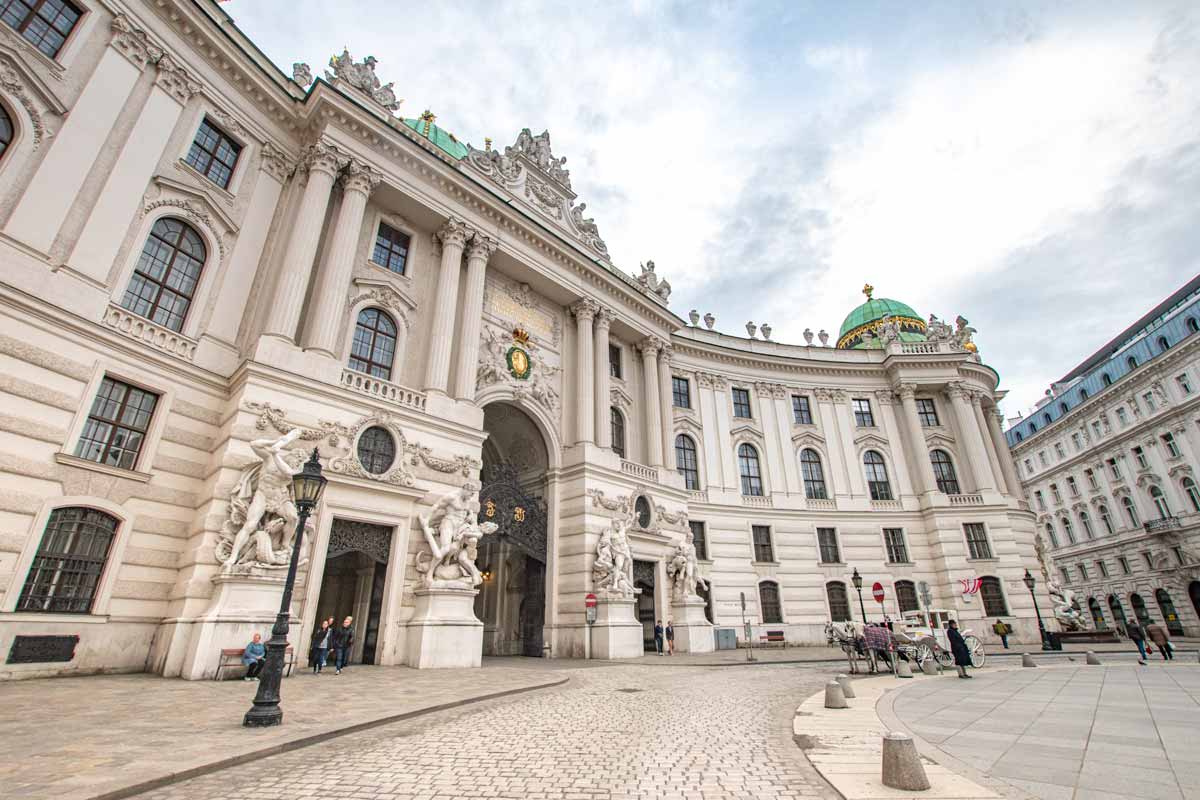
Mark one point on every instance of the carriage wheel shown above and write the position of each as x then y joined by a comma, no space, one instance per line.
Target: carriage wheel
975,647
944,657
924,652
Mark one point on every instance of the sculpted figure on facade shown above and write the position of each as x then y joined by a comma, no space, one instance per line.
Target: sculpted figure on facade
302,74
889,330
261,506
654,284
362,76
613,570
1066,607
962,334
452,534
937,331
684,572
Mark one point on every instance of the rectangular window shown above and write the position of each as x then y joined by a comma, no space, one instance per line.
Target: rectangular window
614,360
699,541
828,544
1121,416
1172,447
1028,466
1058,450
897,550
763,551
1066,574
1114,468
1124,562
1149,398
213,154
1149,561
1041,499
45,24
927,412
116,426
801,410
741,403
1072,487
1103,568
391,248
863,417
681,394
1139,455
1096,429
1179,559
977,543
1185,385
1054,491
1075,442
1083,576
1091,477
1042,457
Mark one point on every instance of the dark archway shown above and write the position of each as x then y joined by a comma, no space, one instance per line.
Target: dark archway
353,582
1194,594
1170,616
1139,609
1118,612
1097,614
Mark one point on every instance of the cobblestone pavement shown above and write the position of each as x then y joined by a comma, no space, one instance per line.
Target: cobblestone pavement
611,733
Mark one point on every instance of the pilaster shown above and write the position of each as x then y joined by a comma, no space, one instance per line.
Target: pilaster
479,251
453,235
585,393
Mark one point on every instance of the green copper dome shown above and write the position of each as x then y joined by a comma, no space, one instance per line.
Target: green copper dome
869,317
443,139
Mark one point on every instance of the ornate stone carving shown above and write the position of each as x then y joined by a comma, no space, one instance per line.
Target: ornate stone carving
937,331
538,386
544,198
278,164
612,572
194,212
387,297
680,518
450,560
176,80
907,391
397,474
454,232
704,380
620,398
622,505
603,321
133,42
652,284
302,74
321,156
10,81
885,397
650,345
1066,606
360,177
346,536
362,77
276,420
683,571
585,309
483,246
462,465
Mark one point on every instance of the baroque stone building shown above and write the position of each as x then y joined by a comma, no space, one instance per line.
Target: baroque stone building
1109,461
211,268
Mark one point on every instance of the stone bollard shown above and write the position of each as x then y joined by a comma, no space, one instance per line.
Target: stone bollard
1027,660
1092,659
929,666
902,767
903,670
847,686
834,698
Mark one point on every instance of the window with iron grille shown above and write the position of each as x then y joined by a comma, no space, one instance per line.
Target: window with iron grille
827,545
686,462
801,410
977,543
943,471
374,345
213,154
45,24
391,248
897,549
763,551
681,394
699,541
814,476
993,597
741,403
116,425
768,600
614,360
69,561
618,431
748,467
877,479
927,412
839,603
376,450
863,417
167,273
906,596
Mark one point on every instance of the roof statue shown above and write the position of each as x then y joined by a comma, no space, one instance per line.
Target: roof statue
654,284
302,74
362,76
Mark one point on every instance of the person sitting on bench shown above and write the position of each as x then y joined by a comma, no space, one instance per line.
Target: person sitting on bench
254,657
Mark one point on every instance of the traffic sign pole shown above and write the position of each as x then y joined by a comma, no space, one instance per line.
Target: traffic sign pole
589,605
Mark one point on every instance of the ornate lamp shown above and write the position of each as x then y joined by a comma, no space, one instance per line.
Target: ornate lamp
856,579
308,485
1030,582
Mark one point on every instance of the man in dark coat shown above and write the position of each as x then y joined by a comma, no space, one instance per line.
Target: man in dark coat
343,641
1135,634
962,656
658,637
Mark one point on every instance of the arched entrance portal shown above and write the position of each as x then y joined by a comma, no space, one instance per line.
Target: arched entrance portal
1139,609
1194,593
1167,607
353,582
512,603
1097,614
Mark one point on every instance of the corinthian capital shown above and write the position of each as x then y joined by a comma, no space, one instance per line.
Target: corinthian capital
666,352
481,246
454,233
886,397
907,391
604,319
176,80
360,177
322,156
133,43
651,345
958,390
585,309
276,163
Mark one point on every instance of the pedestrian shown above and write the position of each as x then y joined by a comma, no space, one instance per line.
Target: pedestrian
658,637
1158,635
670,638
254,656
1002,629
1134,632
322,640
962,656
343,640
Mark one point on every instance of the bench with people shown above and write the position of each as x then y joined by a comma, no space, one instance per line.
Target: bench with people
253,656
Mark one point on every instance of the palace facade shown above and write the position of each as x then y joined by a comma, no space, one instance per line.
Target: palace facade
200,253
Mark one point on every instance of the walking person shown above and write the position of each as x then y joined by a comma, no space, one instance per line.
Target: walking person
322,640
343,640
1158,635
254,656
1002,629
658,637
1134,632
670,638
962,656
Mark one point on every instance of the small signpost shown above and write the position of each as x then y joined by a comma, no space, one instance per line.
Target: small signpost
877,592
746,625
589,605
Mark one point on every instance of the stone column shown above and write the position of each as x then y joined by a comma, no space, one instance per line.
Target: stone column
968,426
838,470
845,428
886,399
923,476
453,236
988,444
783,428
666,404
603,401
1007,467
585,421
323,162
714,445
329,297
478,252
650,347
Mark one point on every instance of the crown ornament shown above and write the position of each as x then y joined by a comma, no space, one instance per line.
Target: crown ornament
520,335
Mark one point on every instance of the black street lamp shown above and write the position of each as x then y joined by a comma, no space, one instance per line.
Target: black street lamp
1029,582
857,579
307,486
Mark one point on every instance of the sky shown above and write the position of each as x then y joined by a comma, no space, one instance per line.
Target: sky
1034,167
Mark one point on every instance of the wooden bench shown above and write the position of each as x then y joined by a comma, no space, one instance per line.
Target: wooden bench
773,637
232,657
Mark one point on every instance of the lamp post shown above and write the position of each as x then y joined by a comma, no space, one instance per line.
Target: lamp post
857,579
1029,582
307,486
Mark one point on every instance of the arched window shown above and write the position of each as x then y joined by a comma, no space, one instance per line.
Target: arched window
1167,607
1033,427
1097,614
906,596
1193,494
814,476
1106,518
1019,436
618,431
69,561
877,478
1130,511
1051,535
686,462
993,597
1063,407
1163,344
1083,394
376,450
1068,530
374,345
166,274
1087,525
1118,612
768,603
1046,418
1139,609
1131,362
1160,502
943,471
1106,379
1192,325
839,603
6,130
748,466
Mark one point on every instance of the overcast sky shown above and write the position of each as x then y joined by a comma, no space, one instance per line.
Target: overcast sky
1033,167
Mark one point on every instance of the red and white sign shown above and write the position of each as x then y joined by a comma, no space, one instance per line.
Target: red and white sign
877,592
589,601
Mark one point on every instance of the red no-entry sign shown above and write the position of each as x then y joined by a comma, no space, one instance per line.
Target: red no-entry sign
589,601
877,592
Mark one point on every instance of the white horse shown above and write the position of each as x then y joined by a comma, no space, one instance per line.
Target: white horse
845,636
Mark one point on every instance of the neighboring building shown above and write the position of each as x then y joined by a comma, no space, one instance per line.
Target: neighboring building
1110,462
197,252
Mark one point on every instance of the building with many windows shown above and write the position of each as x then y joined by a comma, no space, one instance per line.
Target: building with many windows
211,268
1110,463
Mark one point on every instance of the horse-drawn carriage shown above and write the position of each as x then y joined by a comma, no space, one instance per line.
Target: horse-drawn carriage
920,635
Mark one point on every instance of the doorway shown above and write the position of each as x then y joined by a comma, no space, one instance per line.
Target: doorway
1139,609
354,582
643,578
1170,616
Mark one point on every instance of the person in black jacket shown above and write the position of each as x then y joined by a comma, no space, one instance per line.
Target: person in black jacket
343,640
962,656
322,640
658,637
1134,632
